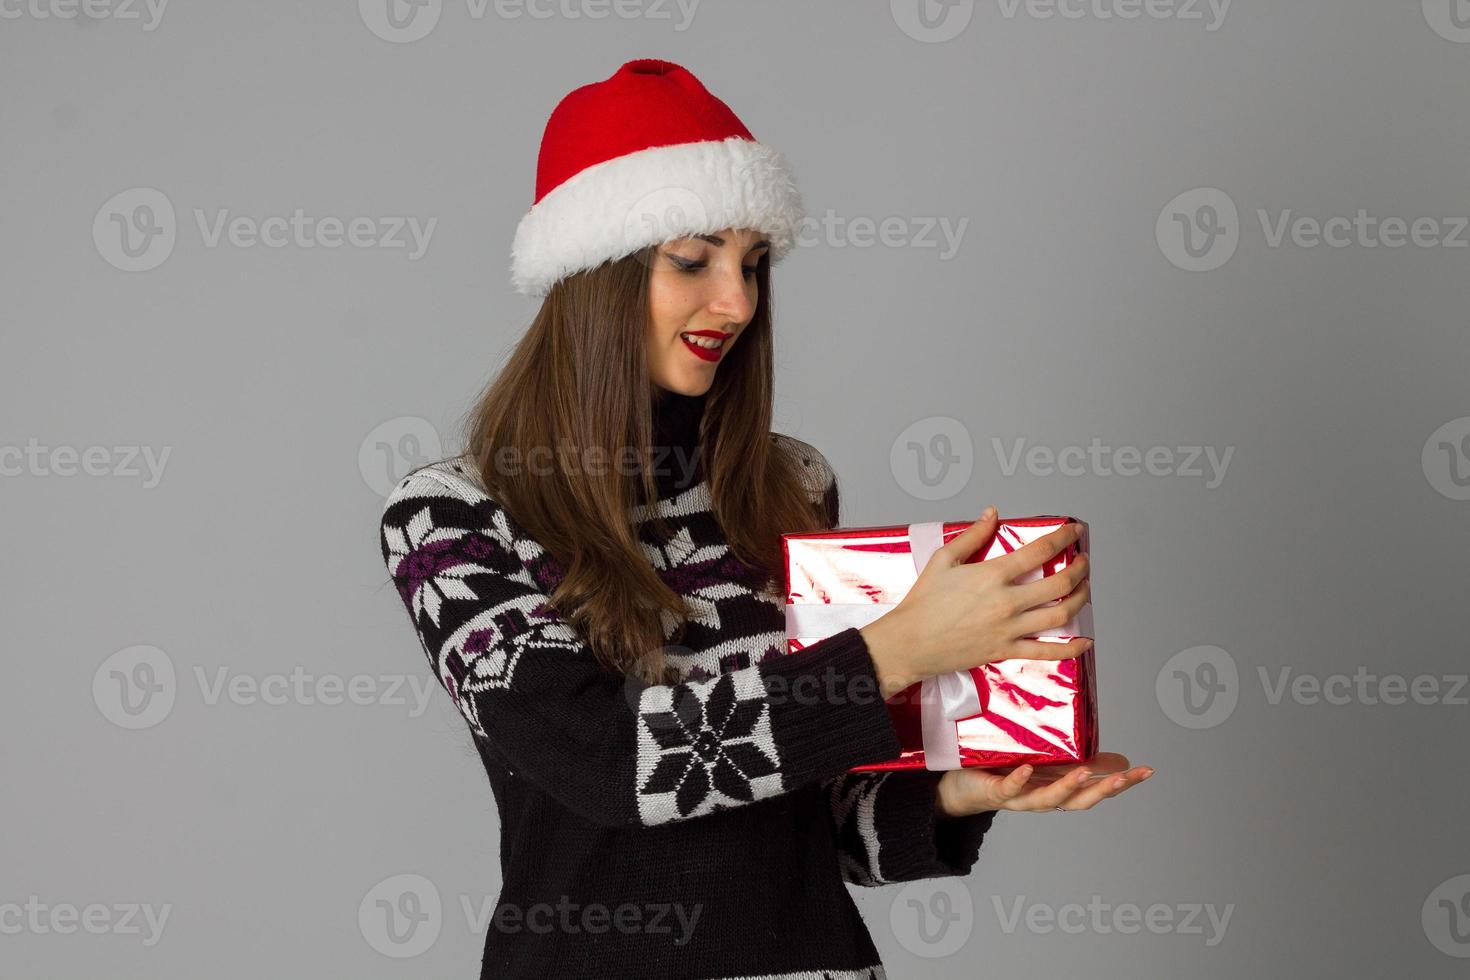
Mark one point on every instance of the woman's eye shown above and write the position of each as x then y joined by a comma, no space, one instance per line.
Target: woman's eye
692,266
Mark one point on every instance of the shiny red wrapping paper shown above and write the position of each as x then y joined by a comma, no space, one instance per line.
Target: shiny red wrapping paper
1042,712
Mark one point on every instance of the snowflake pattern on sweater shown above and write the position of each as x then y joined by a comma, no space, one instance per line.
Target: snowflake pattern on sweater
621,755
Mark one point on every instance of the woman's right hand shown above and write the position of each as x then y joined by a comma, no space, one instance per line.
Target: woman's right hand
959,615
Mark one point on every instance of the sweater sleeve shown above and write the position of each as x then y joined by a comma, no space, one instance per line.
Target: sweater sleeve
888,830
886,825
614,750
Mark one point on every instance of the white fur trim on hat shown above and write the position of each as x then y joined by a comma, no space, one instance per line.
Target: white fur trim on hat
615,207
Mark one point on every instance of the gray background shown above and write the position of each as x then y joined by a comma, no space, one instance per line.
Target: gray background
1334,542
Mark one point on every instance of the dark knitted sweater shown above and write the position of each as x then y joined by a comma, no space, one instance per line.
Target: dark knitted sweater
705,829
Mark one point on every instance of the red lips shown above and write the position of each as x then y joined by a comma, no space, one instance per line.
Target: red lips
711,354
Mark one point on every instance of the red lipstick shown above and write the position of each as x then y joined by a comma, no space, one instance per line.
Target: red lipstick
706,353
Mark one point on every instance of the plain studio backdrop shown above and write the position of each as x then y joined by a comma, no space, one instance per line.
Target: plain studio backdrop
1194,273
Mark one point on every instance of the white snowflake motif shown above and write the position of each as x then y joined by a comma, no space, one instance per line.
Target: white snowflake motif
705,746
702,574
430,563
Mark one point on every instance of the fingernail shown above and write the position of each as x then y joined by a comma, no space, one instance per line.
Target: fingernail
1083,775
988,513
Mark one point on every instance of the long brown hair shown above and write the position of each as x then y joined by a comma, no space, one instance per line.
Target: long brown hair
579,378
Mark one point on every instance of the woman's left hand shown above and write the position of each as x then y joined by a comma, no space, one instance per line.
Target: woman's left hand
966,791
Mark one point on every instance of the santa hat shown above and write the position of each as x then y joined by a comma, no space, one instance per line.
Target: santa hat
642,157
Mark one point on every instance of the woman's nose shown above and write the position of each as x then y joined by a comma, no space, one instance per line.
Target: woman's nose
731,300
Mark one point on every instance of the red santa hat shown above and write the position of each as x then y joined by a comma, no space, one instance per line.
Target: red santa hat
642,157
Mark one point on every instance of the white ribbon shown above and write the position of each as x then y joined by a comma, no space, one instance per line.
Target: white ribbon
827,618
954,695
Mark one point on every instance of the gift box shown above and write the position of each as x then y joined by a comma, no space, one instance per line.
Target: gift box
995,716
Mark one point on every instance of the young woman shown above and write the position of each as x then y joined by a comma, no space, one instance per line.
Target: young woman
597,580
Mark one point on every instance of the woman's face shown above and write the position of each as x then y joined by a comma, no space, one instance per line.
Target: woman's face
702,285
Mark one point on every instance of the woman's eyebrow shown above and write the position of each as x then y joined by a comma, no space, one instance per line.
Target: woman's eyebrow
719,242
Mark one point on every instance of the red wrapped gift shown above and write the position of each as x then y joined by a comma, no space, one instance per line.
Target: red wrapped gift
996,716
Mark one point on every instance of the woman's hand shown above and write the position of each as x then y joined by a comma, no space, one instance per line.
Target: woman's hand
965,791
960,615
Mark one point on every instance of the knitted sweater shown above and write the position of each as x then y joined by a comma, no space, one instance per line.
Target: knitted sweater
704,829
